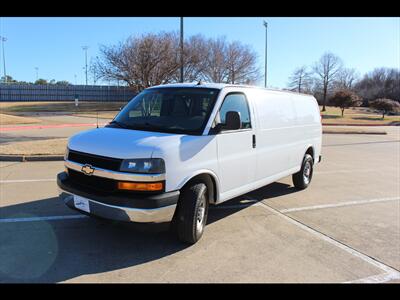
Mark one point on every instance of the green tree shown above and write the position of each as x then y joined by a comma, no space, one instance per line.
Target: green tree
41,81
62,82
8,79
345,99
385,106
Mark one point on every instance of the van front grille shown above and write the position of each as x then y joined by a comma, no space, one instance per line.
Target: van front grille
103,162
93,182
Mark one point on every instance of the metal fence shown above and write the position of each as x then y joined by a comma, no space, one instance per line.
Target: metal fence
50,92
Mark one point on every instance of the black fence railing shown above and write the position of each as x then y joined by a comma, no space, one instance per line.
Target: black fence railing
50,92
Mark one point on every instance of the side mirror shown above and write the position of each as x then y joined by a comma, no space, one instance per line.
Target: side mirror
232,121
121,107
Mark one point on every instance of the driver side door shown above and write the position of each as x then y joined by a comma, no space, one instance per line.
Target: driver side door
236,148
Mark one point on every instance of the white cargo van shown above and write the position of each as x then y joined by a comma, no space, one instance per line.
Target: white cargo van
175,149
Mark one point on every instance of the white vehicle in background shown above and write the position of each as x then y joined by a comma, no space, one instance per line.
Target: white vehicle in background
175,149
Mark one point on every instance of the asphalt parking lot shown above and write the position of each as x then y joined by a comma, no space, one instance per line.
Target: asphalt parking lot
344,228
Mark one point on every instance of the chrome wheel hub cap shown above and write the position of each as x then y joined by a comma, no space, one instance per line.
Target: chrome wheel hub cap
200,214
307,173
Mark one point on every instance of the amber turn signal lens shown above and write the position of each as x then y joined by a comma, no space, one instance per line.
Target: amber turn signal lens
140,186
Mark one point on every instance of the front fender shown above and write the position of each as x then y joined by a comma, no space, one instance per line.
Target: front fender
200,172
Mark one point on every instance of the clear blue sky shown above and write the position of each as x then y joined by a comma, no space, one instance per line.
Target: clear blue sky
54,44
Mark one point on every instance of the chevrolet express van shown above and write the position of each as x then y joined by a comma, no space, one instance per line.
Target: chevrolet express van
175,149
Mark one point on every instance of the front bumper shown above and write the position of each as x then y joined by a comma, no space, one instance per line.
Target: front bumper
146,209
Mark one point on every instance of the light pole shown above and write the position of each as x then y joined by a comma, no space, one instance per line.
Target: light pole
75,78
94,77
266,39
93,68
3,39
37,73
181,46
85,48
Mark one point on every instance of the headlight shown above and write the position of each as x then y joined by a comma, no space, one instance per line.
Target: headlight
148,165
66,153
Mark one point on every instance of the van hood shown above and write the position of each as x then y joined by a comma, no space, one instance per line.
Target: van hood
120,143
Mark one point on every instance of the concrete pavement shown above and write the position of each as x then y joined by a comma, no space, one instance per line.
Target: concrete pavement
344,228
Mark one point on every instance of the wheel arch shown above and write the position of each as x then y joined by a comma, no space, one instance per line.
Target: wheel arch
310,150
210,179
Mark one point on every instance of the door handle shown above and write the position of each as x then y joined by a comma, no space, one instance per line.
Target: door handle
254,140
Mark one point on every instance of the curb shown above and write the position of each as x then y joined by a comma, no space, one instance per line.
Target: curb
23,158
355,132
368,125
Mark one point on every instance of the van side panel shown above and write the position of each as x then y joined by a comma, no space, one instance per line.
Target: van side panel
276,133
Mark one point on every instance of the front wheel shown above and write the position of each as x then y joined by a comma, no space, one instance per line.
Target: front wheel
191,215
302,179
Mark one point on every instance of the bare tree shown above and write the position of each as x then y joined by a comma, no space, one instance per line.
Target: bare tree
153,59
326,71
216,61
300,80
230,62
380,83
142,61
195,59
346,78
241,64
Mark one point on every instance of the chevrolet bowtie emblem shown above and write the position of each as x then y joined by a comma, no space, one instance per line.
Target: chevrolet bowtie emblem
87,169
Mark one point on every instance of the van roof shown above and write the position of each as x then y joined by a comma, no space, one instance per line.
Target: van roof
220,86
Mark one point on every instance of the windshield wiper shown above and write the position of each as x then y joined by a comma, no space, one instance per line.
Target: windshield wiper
122,125
146,125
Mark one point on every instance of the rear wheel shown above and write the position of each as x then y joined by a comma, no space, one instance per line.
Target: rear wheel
302,179
191,214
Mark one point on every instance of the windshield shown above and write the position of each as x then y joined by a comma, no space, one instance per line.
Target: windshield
177,110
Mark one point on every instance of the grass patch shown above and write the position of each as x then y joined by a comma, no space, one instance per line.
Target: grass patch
356,115
101,115
13,120
38,147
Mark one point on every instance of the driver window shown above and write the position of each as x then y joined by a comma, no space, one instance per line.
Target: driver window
235,102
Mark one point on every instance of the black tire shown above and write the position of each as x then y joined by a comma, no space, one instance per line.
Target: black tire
193,204
300,179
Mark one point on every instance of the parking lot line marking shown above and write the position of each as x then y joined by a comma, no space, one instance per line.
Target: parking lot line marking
380,278
322,236
36,219
11,164
344,171
338,204
27,180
